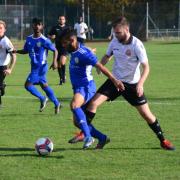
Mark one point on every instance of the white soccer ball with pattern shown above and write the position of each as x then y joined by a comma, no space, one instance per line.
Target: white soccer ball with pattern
44,146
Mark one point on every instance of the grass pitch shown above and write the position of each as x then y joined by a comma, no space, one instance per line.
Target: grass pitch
134,151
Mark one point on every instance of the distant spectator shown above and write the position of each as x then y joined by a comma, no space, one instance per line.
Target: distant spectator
112,35
81,29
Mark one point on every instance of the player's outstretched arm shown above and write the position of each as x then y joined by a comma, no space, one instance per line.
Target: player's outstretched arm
105,59
54,63
21,51
105,71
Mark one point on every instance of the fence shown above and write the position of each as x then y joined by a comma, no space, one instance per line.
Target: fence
164,18
18,19
164,34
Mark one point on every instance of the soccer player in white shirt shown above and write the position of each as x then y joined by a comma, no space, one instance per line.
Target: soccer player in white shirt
129,54
81,29
7,57
112,35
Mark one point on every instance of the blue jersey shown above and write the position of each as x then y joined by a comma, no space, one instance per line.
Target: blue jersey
80,67
38,50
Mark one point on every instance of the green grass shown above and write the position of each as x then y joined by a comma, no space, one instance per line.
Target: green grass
134,151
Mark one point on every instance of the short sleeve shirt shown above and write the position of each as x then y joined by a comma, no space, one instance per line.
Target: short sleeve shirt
38,49
80,28
5,48
80,67
127,59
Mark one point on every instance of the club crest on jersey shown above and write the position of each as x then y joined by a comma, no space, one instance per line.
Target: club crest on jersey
128,52
38,44
76,60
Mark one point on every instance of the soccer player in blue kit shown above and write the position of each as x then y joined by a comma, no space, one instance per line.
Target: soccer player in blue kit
37,46
81,62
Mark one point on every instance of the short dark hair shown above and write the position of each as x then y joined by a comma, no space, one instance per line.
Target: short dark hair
37,21
122,21
67,33
62,15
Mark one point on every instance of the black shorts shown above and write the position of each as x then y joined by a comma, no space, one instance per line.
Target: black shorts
81,40
61,52
108,89
2,75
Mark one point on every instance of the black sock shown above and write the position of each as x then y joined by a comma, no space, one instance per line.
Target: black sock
63,68
0,100
60,72
90,116
157,130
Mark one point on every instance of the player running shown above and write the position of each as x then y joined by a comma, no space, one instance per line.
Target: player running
37,46
54,34
81,63
129,55
132,68
7,58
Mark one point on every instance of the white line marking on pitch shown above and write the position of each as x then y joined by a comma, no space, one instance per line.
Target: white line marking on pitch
116,101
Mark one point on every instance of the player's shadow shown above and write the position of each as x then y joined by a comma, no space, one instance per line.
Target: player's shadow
107,148
15,149
67,149
133,148
164,99
22,114
24,154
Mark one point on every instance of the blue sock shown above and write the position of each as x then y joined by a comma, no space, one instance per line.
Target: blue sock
81,120
49,92
96,134
32,89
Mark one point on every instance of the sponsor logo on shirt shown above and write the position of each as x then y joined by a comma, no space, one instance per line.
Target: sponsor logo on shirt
128,52
38,44
76,60
115,49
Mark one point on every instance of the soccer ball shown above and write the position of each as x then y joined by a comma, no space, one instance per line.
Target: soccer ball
44,146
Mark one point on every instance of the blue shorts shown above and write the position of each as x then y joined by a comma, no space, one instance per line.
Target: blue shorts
38,75
86,91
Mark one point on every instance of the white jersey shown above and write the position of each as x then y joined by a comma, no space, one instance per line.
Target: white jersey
127,59
5,47
112,33
81,28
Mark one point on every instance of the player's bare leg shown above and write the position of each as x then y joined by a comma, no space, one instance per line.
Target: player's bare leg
96,101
